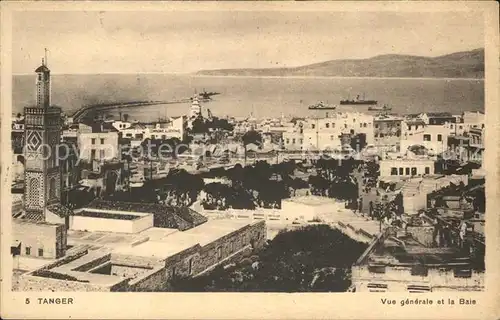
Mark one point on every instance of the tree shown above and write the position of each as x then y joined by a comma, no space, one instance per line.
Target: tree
235,174
144,194
398,204
78,198
199,126
182,188
298,183
313,258
250,137
371,173
220,124
335,179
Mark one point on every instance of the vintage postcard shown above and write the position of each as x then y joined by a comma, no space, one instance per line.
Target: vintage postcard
250,160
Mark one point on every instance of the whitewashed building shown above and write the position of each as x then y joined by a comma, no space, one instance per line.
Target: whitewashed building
433,137
324,133
98,146
406,167
175,128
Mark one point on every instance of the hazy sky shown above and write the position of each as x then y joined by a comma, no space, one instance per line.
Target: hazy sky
187,41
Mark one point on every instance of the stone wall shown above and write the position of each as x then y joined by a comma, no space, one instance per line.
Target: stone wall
190,262
224,250
152,281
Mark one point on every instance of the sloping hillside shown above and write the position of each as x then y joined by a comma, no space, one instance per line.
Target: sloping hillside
468,64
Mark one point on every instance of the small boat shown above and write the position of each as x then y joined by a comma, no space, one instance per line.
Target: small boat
358,101
321,106
384,108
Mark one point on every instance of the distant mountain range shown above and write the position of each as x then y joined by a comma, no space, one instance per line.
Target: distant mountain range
466,64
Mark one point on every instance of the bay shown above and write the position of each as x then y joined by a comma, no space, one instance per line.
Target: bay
260,96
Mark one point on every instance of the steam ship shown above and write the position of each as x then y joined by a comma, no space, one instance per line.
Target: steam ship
321,106
384,108
358,101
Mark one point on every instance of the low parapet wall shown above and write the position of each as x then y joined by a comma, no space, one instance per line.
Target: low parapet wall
44,284
154,280
436,277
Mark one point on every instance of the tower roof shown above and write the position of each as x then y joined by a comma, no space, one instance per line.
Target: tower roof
42,68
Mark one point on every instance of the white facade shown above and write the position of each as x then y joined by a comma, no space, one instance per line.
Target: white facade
463,127
142,222
173,129
323,133
74,130
98,146
293,140
140,132
136,131
434,138
406,167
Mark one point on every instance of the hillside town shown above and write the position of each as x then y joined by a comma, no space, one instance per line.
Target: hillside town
338,201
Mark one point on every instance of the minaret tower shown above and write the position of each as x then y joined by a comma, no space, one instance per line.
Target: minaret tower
42,177
43,84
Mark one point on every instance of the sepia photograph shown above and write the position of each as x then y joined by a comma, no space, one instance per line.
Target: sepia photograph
247,151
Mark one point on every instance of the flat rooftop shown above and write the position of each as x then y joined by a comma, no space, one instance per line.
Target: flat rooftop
69,271
32,222
91,278
312,200
164,243
103,239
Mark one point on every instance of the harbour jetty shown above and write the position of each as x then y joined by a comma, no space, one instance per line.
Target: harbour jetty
85,110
